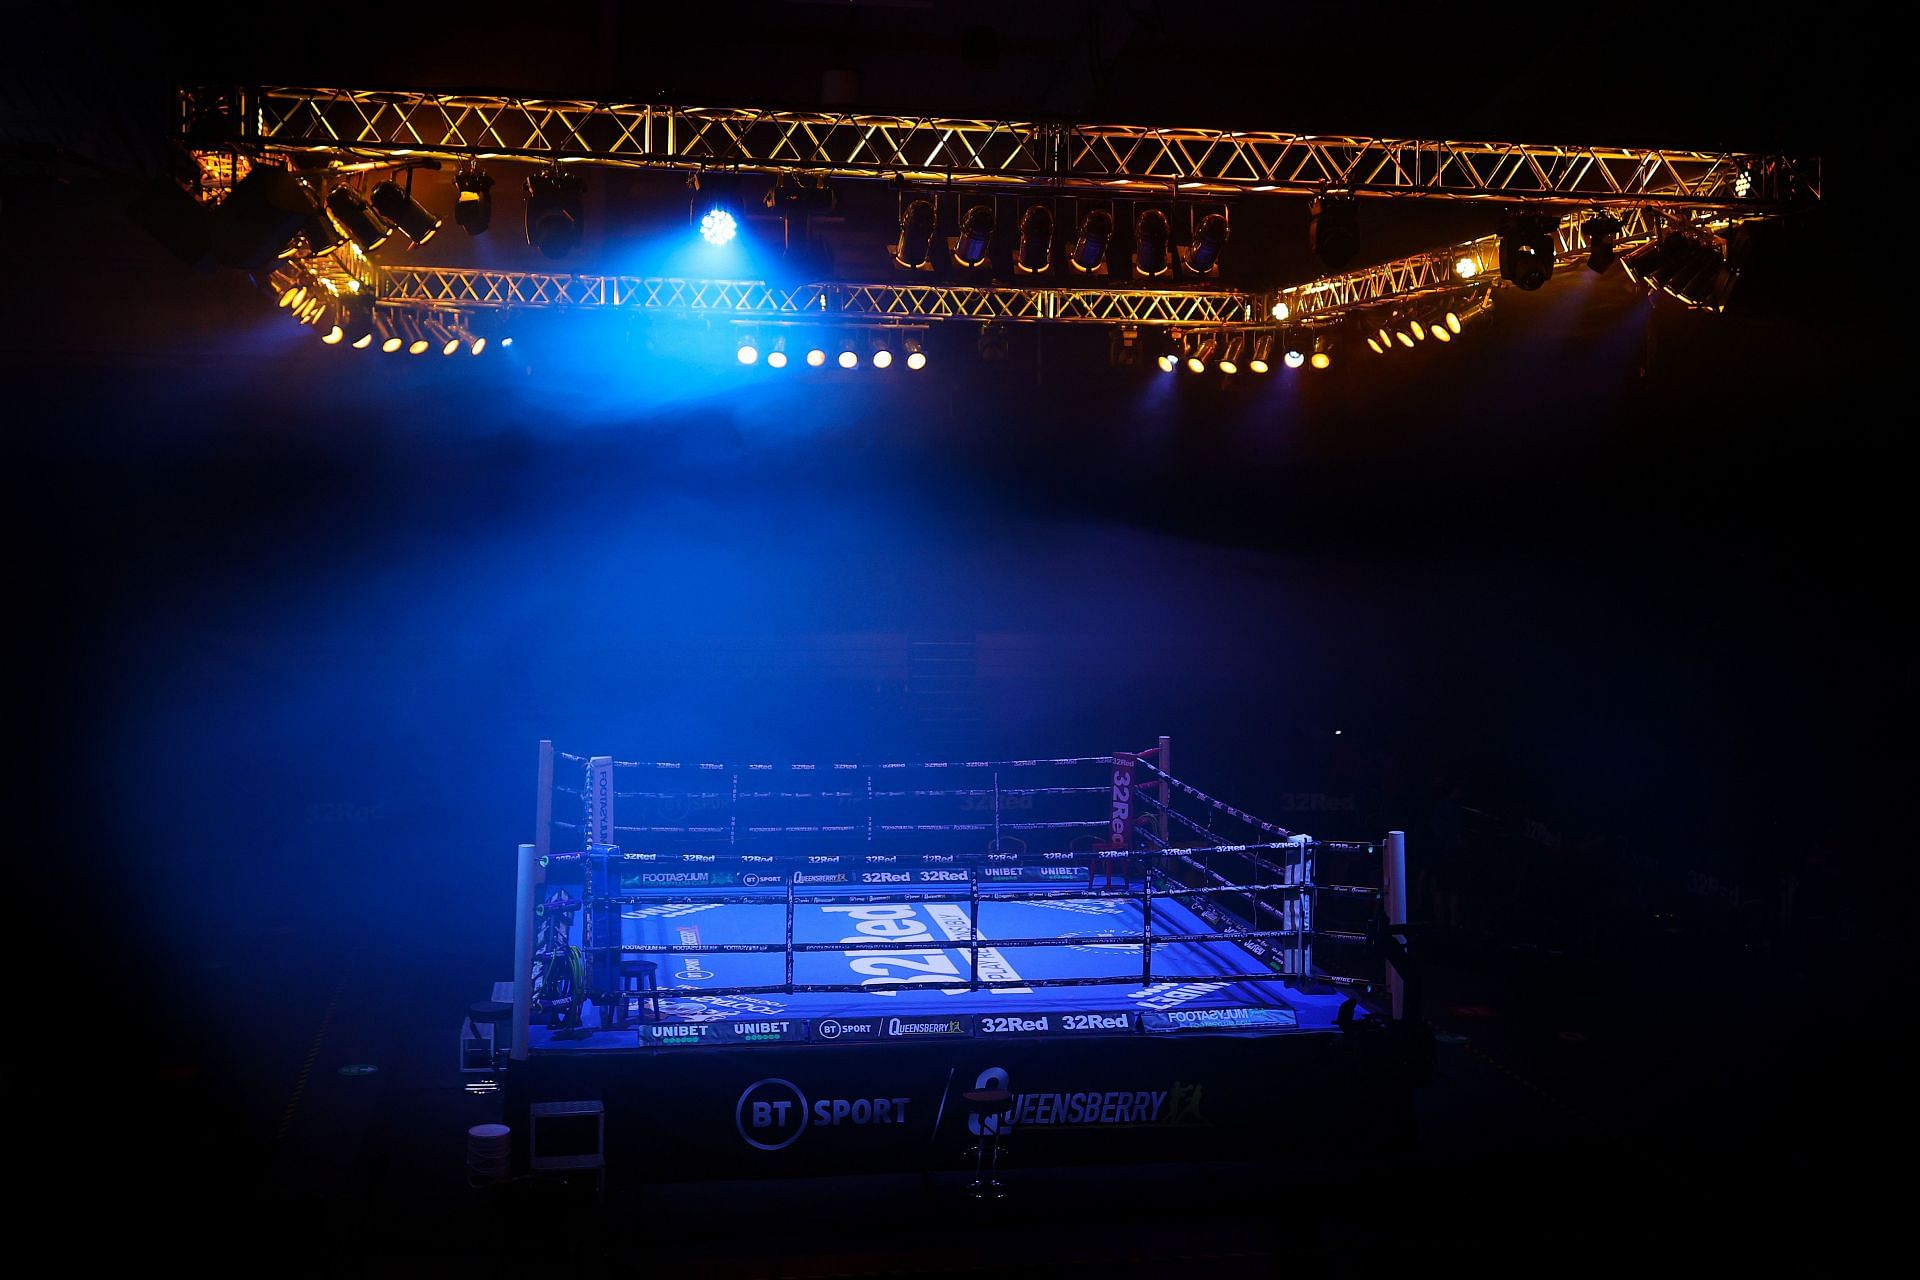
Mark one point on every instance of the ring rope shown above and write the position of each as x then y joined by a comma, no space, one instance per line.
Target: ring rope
1220,806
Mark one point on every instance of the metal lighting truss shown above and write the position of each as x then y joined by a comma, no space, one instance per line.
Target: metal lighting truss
378,125
465,288
1437,271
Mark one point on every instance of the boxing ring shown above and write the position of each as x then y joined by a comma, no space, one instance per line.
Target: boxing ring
797,967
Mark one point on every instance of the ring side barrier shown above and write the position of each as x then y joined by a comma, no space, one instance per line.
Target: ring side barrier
1267,880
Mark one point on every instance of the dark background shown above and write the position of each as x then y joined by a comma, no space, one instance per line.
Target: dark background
1604,602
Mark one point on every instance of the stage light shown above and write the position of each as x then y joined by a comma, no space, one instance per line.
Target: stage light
1262,351
293,295
439,333
1418,330
321,235
1692,271
1601,230
916,354
473,205
333,336
883,359
1230,359
1196,365
816,357
748,353
1150,236
1402,338
1386,338
849,359
390,339
1467,268
1035,251
556,210
776,359
1090,245
914,250
1333,230
717,227
1440,333
404,212
1320,360
363,226
1203,257
1281,311
476,344
1169,362
1373,345
1527,249
1293,359
364,341
975,238
1258,366
261,219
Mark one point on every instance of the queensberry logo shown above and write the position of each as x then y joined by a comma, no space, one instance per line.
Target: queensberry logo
831,877
772,1114
905,1027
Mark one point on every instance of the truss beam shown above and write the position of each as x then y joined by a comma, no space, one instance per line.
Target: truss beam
381,124
1438,271
462,288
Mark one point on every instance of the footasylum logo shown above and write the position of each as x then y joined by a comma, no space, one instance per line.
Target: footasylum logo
772,1113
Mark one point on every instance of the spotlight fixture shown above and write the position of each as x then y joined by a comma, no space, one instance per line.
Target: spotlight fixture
556,209
1466,266
1322,355
970,247
390,339
441,334
403,211
717,227
1150,237
1333,230
321,235
417,341
1230,361
363,226
816,357
914,249
1528,248
1198,361
1262,353
1090,245
916,353
261,219
1293,359
1601,230
748,353
333,336
364,341
849,358
1168,362
1203,256
1373,345
473,203
777,358
1035,252
1281,311
991,341
1692,270
883,359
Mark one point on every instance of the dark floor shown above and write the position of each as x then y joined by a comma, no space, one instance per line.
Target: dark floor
1735,1116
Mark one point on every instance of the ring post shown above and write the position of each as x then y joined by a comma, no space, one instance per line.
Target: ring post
1165,761
1394,902
523,950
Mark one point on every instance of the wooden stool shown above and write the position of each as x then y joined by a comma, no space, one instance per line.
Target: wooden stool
639,982
991,1111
